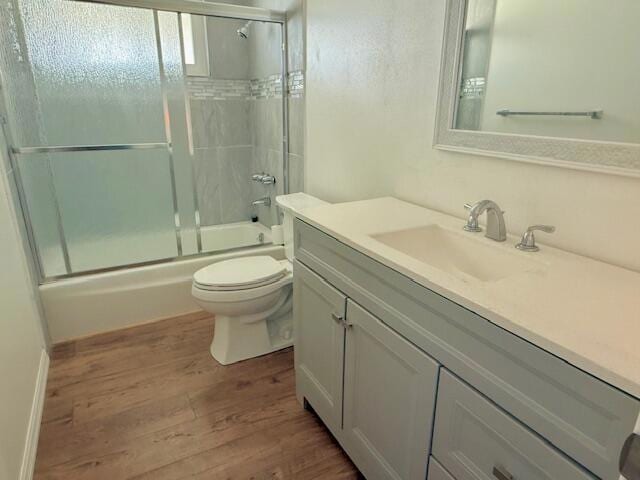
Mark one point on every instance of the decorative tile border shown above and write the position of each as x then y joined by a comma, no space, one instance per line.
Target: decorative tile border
205,88
296,84
218,89
267,87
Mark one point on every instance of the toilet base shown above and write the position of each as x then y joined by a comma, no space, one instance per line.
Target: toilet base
235,340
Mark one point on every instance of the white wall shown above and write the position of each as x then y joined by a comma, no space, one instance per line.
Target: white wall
572,55
21,339
372,78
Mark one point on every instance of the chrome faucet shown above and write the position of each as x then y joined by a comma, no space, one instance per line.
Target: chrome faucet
266,201
263,178
496,229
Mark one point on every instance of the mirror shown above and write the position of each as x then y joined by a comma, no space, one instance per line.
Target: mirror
543,80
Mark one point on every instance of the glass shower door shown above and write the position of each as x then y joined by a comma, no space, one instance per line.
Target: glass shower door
136,132
94,151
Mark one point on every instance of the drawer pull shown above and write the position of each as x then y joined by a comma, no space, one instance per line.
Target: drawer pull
501,474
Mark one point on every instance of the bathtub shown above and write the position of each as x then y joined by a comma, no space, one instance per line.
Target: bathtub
102,302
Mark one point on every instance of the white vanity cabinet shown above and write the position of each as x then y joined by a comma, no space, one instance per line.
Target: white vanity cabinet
373,347
374,390
319,313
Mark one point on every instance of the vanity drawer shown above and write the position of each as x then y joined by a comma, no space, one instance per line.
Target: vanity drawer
437,472
579,414
474,439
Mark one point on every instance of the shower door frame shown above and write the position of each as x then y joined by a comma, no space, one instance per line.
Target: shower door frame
206,9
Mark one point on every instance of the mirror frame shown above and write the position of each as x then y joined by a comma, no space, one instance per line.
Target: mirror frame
601,156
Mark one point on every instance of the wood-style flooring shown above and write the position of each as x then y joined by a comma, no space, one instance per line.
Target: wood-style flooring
151,403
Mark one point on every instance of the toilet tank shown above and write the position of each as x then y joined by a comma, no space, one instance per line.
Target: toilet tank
290,204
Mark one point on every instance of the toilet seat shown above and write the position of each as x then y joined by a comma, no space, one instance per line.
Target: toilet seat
240,274
281,275
221,296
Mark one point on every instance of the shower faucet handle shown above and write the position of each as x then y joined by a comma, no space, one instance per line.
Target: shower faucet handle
263,178
268,180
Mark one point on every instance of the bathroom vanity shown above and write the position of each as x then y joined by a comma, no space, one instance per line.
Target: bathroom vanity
433,352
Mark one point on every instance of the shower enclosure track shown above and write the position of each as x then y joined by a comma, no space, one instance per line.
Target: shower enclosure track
223,10
90,148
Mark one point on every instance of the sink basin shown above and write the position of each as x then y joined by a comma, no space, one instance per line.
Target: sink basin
464,255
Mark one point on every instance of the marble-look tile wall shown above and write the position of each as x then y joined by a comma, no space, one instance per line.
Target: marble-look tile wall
222,160
267,147
237,121
238,132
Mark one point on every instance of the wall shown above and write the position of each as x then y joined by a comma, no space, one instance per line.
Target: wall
546,55
22,341
371,91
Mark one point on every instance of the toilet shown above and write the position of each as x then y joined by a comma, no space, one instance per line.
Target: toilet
251,297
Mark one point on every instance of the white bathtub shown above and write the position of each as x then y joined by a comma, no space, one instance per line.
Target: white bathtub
102,302
234,235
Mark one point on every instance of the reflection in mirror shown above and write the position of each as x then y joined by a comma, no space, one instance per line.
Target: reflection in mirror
551,68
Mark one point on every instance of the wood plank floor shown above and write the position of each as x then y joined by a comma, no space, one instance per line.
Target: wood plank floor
151,403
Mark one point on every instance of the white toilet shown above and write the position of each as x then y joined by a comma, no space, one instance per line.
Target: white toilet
251,297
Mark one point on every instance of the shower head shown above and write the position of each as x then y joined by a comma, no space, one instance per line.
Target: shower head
244,31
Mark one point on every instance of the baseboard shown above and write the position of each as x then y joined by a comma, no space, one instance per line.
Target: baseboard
33,432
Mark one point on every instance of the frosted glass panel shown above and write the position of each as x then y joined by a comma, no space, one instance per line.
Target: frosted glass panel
20,98
177,107
96,72
79,73
41,203
116,207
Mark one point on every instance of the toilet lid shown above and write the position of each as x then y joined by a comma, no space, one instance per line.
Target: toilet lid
241,272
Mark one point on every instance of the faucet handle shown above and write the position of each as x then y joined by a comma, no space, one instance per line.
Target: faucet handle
528,241
472,221
257,177
542,228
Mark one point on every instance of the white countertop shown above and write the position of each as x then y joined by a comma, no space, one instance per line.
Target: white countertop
581,310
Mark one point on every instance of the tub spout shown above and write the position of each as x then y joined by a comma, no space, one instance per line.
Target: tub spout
266,201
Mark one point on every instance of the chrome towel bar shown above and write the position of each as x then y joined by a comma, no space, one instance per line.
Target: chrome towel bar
594,114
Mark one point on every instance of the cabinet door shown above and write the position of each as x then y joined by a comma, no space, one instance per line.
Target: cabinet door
319,313
389,399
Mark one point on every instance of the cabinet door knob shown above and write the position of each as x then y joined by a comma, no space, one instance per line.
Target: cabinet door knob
501,473
337,318
630,458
